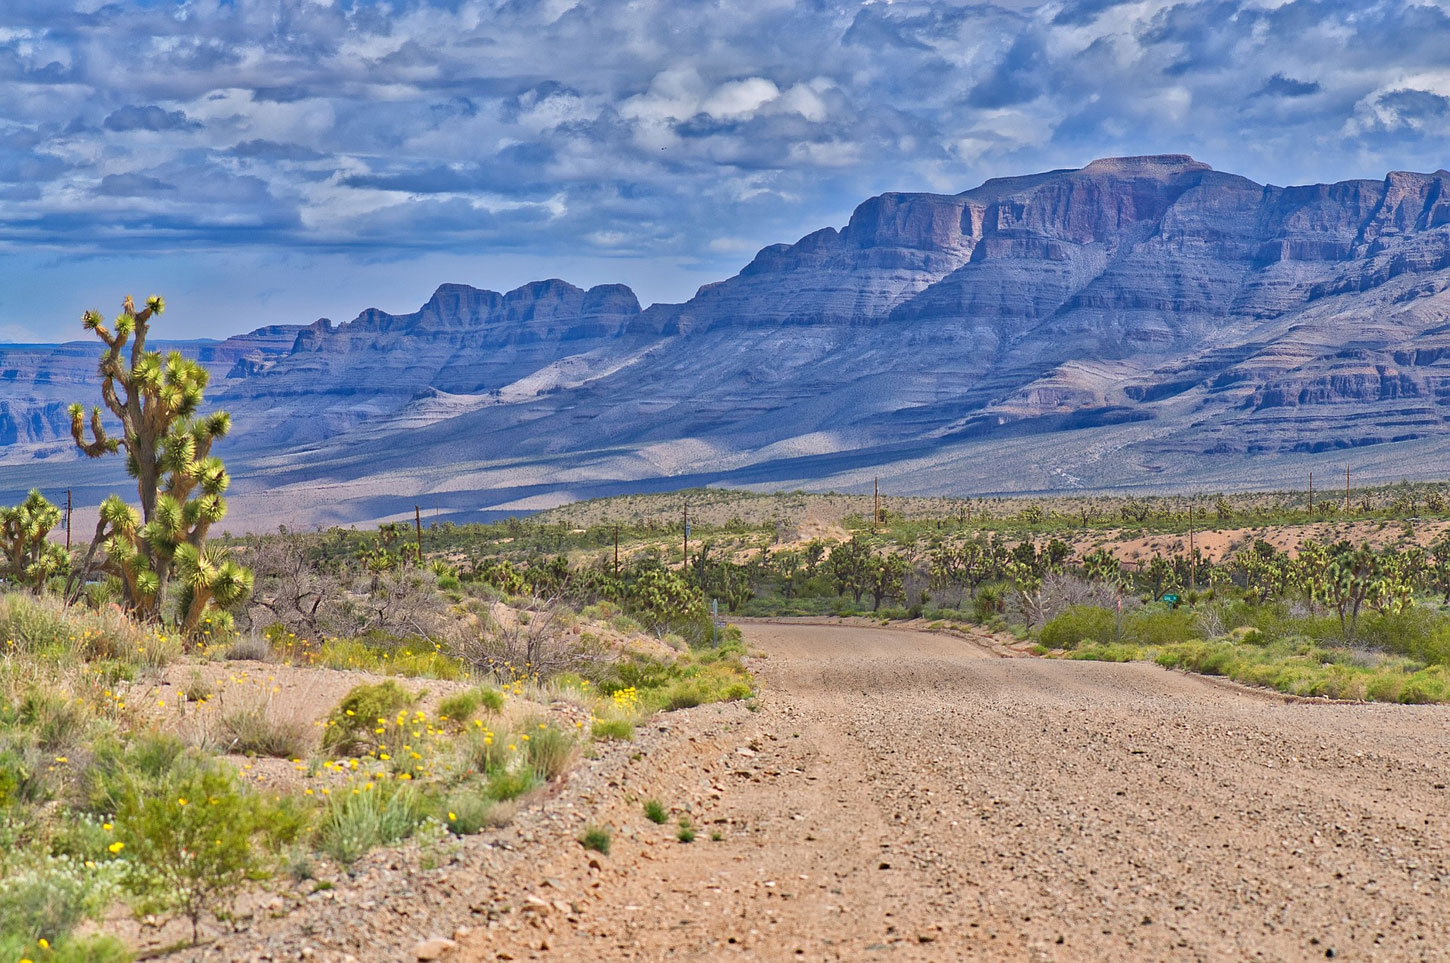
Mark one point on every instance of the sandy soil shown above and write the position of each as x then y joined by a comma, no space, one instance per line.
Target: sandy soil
909,793
910,796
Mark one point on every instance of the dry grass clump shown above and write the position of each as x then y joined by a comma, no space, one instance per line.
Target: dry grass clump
255,731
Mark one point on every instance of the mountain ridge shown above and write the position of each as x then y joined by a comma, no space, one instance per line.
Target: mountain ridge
1140,320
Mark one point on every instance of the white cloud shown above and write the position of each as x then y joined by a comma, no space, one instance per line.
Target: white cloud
740,99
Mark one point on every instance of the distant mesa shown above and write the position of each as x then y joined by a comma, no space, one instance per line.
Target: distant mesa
1142,321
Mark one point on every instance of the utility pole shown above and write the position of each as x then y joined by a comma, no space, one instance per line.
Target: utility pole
1192,561
616,550
686,567
67,519
1311,493
418,527
1346,489
875,504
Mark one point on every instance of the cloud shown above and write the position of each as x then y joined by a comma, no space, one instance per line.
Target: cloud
132,185
270,150
1281,86
147,118
662,128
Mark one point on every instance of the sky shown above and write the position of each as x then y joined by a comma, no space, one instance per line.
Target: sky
276,161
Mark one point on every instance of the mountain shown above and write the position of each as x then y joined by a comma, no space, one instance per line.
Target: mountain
1143,322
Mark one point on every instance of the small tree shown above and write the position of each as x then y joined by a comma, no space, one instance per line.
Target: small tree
26,556
887,574
849,568
191,840
179,482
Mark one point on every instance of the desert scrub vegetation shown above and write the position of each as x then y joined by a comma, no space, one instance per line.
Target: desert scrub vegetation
182,715
143,767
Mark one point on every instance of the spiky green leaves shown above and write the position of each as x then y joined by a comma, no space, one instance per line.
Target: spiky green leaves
168,452
25,554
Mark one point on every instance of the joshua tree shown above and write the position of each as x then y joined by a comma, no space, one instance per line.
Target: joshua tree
26,556
180,483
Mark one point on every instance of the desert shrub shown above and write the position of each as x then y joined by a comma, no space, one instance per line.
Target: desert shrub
468,812
84,949
533,641
1416,631
254,731
460,707
56,721
621,730
596,838
484,752
655,812
505,784
411,658
1428,685
116,766
374,815
1080,623
989,602
1155,625
1061,591
44,625
248,648
24,776
1110,652
685,832
463,706
547,749
351,727
192,840
47,897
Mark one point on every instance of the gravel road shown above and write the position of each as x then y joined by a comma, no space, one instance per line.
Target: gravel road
911,796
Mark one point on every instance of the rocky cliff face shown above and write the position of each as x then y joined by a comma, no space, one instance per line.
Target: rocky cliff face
1143,317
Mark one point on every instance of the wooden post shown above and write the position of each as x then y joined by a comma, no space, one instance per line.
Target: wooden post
67,519
1192,562
685,568
418,527
1311,493
616,550
1346,489
875,503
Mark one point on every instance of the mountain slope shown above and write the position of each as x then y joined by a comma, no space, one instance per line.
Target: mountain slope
1139,322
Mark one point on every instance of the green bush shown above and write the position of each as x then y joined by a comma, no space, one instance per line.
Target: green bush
374,815
1157,625
596,838
352,726
1080,623
621,730
548,750
485,752
504,784
655,812
989,602
86,949
47,897
469,812
192,840
463,706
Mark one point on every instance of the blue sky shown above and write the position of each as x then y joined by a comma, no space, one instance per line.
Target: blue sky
267,161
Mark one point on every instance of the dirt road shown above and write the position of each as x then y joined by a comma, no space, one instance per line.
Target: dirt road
905,796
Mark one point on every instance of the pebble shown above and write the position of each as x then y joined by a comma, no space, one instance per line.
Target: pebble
433,949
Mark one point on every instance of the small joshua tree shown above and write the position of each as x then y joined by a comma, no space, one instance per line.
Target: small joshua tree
179,481
26,557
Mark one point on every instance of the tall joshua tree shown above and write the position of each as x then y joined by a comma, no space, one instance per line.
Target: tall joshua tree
179,482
